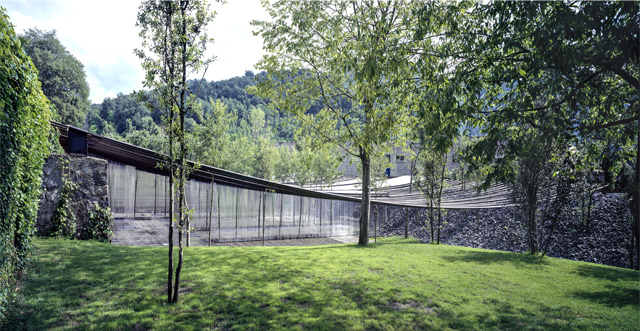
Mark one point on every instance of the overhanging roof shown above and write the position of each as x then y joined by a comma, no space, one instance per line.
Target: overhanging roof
154,162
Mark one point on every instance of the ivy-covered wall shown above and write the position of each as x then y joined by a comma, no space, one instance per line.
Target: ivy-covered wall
89,180
24,130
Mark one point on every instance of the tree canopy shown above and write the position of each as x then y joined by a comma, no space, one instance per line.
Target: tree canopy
63,79
570,69
561,74
327,53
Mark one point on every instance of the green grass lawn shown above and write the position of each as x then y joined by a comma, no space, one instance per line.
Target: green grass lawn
395,284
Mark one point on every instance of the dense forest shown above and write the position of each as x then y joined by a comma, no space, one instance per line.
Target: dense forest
117,117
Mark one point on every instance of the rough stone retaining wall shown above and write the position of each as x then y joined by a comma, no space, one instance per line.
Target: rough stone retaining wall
604,239
91,176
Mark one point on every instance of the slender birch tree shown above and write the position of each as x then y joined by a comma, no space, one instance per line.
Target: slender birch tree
174,41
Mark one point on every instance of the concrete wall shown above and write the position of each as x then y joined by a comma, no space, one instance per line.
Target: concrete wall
90,174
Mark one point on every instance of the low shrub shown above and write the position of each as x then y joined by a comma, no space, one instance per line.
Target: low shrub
98,226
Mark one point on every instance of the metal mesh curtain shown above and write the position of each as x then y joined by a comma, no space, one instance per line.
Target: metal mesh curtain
219,213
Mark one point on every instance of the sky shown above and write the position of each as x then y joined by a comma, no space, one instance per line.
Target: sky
102,35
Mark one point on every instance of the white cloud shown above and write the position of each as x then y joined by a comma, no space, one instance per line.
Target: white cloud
102,35
235,46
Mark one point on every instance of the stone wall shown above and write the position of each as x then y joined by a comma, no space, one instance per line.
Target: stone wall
90,174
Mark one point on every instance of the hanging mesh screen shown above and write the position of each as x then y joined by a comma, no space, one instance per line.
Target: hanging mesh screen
218,213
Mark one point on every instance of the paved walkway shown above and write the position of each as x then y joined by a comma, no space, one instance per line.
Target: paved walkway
293,242
153,231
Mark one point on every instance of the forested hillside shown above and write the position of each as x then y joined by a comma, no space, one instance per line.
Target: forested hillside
120,116
231,129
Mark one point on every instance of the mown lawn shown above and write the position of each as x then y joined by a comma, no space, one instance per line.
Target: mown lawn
395,284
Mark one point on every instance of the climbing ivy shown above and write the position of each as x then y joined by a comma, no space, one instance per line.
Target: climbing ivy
24,125
99,225
63,221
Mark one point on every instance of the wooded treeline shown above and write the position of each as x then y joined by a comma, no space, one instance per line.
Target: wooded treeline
250,137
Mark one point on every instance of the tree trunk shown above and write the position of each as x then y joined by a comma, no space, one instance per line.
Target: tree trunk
218,209
211,210
183,150
411,169
259,207
462,178
171,202
180,248
135,194
320,218
375,230
431,211
431,220
280,225
636,198
171,137
554,220
300,221
533,224
264,211
187,218
444,167
366,198
439,225
406,223
237,198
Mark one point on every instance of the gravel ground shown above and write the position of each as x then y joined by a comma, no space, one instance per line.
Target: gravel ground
604,238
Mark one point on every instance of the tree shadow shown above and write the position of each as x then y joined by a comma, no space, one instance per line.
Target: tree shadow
622,291
508,317
608,273
518,260
268,289
615,296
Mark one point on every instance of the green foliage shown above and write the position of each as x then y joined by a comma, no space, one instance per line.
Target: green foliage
63,220
463,171
251,149
393,285
568,68
214,136
99,225
236,131
324,165
533,182
63,79
174,41
117,111
266,156
24,131
350,58
380,162
429,179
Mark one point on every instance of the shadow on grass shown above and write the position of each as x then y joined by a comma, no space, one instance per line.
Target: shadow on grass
507,317
623,291
608,273
62,283
108,287
518,260
615,296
